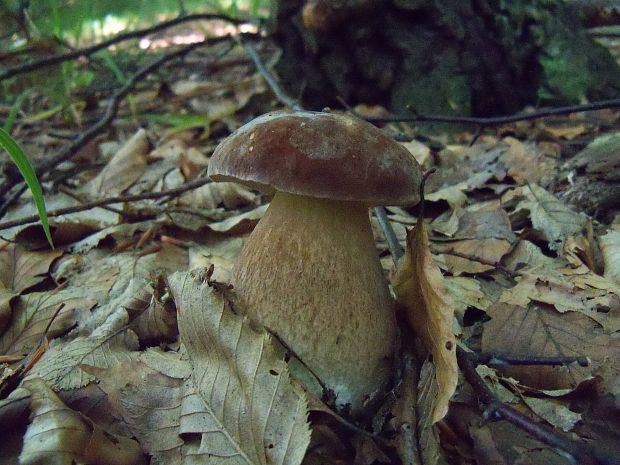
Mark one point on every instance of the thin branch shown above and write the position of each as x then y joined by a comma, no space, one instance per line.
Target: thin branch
473,258
502,359
84,52
396,250
579,452
85,137
270,78
110,200
491,121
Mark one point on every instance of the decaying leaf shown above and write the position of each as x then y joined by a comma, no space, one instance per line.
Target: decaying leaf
230,194
419,287
21,268
148,392
536,330
60,366
610,247
240,223
554,219
59,435
554,412
33,312
253,412
123,169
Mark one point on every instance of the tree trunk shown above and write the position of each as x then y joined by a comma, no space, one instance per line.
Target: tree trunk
480,57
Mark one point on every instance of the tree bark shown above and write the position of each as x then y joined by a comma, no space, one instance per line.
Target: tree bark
480,57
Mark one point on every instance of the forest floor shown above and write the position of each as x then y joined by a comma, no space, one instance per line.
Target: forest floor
100,358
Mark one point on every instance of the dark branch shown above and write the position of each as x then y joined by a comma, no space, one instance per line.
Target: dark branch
491,121
501,359
84,52
580,452
110,200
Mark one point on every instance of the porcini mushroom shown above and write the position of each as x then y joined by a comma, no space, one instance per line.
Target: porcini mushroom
309,271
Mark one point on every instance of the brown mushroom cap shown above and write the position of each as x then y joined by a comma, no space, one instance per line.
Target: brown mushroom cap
323,155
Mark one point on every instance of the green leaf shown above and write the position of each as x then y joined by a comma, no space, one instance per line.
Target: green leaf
25,168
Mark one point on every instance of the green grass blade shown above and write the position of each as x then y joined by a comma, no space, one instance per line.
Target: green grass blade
8,124
25,168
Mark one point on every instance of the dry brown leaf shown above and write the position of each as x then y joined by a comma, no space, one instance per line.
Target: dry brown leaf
553,411
125,167
554,219
539,331
485,449
421,152
147,392
240,223
230,194
485,234
33,312
610,247
253,412
58,435
153,318
419,287
525,162
60,365
21,268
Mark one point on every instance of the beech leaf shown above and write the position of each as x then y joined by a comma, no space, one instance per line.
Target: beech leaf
58,435
254,414
419,287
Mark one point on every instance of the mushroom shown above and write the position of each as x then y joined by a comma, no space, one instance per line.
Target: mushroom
310,271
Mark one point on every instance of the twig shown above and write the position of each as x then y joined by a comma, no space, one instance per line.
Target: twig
84,138
396,249
501,359
579,452
493,121
84,52
110,200
270,78
484,261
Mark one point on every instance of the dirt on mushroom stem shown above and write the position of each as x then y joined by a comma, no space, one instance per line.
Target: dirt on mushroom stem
310,273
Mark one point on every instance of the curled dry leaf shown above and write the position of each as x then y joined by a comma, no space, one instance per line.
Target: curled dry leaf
210,196
253,414
59,435
419,287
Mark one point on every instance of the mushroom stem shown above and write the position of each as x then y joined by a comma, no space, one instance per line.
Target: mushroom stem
310,273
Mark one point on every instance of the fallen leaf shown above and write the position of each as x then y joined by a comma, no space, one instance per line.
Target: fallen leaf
419,287
33,312
148,392
553,411
21,268
554,219
60,435
421,152
536,330
485,449
253,411
230,194
240,223
125,168
60,365
610,248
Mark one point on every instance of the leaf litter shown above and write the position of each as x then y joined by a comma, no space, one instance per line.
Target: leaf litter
508,257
